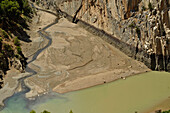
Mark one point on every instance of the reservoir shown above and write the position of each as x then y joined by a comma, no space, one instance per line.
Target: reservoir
137,93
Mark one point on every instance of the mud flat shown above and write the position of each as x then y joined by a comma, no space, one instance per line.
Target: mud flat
77,59
10,84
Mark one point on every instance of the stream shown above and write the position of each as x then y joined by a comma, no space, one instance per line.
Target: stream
24,87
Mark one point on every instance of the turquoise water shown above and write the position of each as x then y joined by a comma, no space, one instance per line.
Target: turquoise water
136,93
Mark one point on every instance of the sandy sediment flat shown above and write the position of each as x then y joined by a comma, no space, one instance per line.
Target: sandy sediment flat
76,59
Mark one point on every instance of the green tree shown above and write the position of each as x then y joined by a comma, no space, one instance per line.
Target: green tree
26,8
45,111
0,39
150,6
71,111
16,41
19,49
166,111
9,9
32,111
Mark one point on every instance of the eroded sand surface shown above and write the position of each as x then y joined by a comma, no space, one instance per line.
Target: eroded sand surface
77,59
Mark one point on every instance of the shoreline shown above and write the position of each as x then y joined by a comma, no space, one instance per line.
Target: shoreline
10,94
58,88
163,106
11,87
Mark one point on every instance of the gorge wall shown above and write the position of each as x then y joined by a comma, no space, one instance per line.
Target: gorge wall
139,28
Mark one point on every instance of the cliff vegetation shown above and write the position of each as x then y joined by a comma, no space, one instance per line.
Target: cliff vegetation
14,15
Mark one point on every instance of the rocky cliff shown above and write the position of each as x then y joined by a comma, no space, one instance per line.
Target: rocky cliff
143,24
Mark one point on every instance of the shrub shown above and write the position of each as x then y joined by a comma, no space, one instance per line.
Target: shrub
0,39
1,55
45,111
71,111
16,42
132,25
19,49
7,47
37,2
137,30
146,17
5,35
10,8
32,111
150,6
166,111
143,8
26,8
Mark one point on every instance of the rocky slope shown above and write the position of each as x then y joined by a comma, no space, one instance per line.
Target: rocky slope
10,55
143,24
14,16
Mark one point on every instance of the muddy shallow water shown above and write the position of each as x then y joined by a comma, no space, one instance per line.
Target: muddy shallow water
136,93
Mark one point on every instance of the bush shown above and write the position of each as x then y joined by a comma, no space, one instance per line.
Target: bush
37,2
137,30
8,48
166,111
143,8
32,111
132,25
0,39
10,8
16,42
71,111
1,55
19,49
26,8
5,35
150,6
45,111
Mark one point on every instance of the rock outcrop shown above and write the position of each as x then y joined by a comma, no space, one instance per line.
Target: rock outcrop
143,24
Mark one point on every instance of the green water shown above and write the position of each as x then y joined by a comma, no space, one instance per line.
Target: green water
136,93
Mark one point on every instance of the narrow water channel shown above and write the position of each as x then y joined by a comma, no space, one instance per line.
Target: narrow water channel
136,93
21,95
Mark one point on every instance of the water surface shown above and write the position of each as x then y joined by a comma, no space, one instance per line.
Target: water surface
136,93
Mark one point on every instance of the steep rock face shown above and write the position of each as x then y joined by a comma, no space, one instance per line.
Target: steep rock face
131,21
